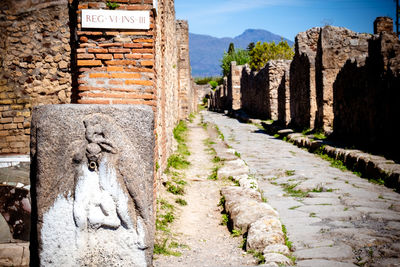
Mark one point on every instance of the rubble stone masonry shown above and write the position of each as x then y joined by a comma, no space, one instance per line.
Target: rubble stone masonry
368,89
341,82
303,105
43,63
259,90
233,88
167,79
35,65
336,46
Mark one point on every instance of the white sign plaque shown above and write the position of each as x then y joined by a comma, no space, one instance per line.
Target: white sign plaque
115,19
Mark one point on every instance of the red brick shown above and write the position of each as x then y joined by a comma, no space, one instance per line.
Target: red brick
139,82
132,45
133,56
119,50
104,56
146,63
90,88
89,63
139,70
141,40
111,45
147,33
99,75
118,56
141,7
85,56
133,102
142,51
94,101
125,75
87,45
89,33
98,50
114,95
148,56
120,62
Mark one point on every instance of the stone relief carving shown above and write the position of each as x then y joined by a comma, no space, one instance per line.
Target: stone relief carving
101,205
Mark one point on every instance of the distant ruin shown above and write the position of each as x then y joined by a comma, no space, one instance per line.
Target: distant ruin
335,72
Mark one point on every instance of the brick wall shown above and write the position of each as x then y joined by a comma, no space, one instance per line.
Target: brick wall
34,65
116,66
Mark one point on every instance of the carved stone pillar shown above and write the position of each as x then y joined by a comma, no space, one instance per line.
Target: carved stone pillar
92,185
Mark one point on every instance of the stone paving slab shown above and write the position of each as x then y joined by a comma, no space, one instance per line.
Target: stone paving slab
16,254
358,223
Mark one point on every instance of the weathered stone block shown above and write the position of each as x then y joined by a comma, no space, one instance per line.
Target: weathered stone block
92,185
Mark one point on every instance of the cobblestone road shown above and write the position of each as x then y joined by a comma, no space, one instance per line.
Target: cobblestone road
333,217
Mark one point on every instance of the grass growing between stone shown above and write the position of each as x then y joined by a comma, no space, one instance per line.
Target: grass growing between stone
164,242
258,255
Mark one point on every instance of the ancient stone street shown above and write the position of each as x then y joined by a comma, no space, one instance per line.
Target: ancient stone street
333,217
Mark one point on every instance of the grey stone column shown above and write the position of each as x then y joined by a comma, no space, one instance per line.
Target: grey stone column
92,185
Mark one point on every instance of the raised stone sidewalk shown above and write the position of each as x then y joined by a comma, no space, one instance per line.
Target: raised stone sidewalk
333,217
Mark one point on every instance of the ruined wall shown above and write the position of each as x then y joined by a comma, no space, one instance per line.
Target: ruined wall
368,89
336,46
186,88
259,90
284,95
303,104
233,94
167,79
254,92
35,66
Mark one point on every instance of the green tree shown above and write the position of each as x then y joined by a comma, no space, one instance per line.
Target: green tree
264,52
240,56
231,48
250,46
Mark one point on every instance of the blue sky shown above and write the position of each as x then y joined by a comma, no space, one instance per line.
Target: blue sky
229,18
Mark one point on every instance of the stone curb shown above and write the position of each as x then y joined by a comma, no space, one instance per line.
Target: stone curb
248,213
370,166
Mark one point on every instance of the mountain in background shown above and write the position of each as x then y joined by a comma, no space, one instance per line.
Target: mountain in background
207,51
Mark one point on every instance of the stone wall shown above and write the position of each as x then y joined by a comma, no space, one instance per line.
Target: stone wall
303,104
368,89
341,82
187,90
167,80
259,90
336,46
42,64
35,65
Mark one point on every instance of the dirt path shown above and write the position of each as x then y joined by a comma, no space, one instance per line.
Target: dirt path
198,225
